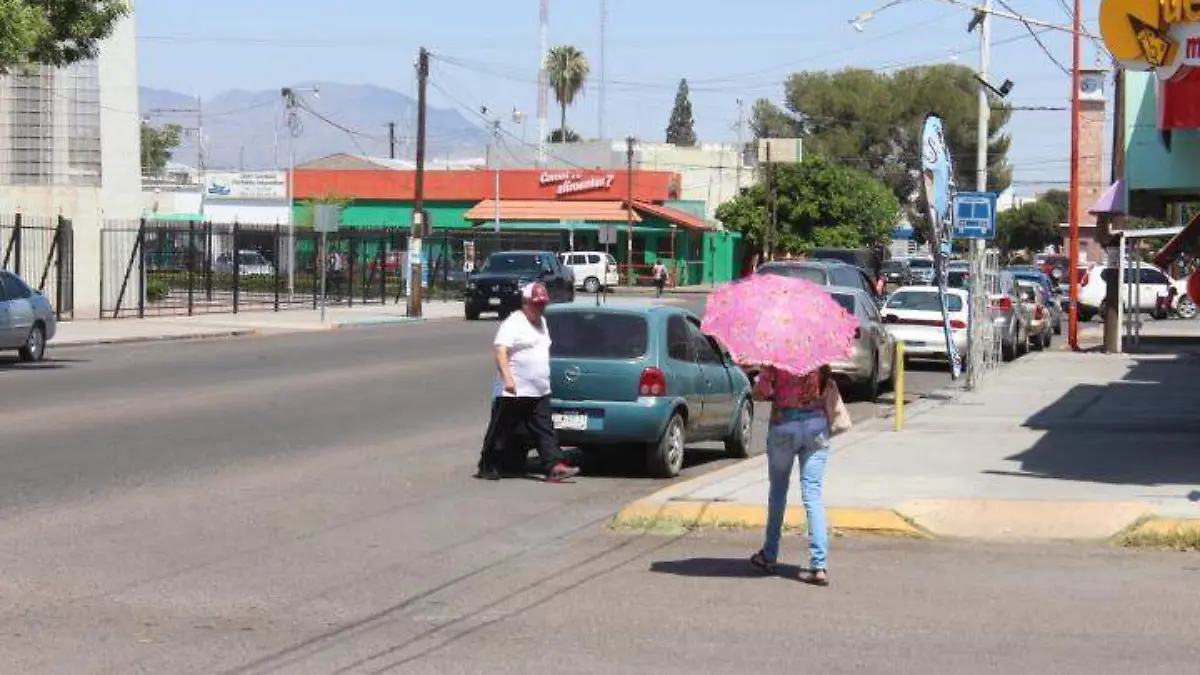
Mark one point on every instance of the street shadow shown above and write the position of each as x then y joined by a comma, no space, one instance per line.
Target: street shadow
722,568
1140,430
630,462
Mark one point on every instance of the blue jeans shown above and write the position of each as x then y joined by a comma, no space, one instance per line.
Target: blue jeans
805,436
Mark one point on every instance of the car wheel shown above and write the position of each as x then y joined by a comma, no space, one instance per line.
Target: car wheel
591,285
34,349
1058,327
868,389
1008,351
1038,343
1186,308
737,445
470,313
1022,345
1047,339
666,456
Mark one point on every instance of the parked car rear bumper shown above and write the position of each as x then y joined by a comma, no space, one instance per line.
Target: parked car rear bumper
927,341
617,422
856,368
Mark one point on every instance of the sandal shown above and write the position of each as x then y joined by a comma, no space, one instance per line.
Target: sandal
816,578
760,561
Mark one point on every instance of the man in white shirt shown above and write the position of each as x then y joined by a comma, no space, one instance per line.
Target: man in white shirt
522,390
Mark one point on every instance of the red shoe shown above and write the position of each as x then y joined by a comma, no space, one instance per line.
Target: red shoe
561,471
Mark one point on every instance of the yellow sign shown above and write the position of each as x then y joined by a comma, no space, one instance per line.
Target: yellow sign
1158,35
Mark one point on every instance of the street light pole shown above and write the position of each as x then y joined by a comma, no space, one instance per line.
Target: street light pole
1073,247
291,102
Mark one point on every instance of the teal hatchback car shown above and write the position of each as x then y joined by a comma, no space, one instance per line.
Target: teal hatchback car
644,376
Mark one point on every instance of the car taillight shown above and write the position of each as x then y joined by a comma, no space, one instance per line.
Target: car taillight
1004,303
958,324
653,383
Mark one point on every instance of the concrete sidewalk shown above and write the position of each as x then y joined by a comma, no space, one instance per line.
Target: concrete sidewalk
1057,445
201,326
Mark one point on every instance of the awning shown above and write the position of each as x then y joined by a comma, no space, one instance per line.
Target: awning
174,217
551,211
676,216
1174,247
1112,202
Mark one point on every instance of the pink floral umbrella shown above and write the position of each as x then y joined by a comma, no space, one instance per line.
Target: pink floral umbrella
770,320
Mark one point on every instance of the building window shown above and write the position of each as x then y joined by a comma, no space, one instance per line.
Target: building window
50,127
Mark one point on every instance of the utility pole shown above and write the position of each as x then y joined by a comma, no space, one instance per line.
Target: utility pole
1073,247
493,161
979,295
603,55
772,207
419,224
632,275
741,143
391,140
543,80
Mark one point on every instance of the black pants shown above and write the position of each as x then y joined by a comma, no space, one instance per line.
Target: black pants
516,421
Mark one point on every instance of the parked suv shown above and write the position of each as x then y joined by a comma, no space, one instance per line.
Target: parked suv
496,287
824,273
593,269
1093,287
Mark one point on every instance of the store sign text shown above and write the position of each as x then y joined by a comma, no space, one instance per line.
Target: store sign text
1158,35
569,183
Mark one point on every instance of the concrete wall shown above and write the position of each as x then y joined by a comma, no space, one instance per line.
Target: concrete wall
119,195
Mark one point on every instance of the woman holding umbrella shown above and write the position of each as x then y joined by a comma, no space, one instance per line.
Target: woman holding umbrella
791,330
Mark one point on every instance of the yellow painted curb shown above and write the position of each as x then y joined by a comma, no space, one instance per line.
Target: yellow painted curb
651,514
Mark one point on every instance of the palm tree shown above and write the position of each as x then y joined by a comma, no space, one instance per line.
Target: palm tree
568,69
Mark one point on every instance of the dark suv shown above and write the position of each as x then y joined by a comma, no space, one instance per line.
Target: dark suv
824,273
496,287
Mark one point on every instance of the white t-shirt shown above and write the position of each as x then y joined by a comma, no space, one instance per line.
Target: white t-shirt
528,356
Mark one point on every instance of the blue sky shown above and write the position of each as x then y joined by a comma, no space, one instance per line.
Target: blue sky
727,50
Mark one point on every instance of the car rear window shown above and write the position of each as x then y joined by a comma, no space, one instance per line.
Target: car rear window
924,302
813,274
846,301
597,335
921,264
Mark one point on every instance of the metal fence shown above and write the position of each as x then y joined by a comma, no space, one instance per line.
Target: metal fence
42,252
156,269
984,354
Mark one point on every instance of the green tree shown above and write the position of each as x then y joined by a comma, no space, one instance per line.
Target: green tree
568,69
54,32
158,144
873,121
1030,227
1061,201
564,136
681,129
818,204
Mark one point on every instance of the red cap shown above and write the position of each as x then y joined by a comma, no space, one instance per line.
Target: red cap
536,294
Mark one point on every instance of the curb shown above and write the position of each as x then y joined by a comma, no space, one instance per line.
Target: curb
211,335
647,514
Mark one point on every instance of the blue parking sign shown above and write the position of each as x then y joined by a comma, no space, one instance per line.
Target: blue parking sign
974,215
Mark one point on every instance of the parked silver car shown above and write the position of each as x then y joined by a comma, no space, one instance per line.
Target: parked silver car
1011,316
27,320
870,367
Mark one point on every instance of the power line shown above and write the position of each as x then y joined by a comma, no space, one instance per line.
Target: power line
1038,39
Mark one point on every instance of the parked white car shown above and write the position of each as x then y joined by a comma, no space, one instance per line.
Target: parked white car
913,316
1093,287
593,269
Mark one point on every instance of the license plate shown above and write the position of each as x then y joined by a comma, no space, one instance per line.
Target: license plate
493,301
570,421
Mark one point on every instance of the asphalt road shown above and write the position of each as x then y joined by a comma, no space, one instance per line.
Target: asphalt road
297,504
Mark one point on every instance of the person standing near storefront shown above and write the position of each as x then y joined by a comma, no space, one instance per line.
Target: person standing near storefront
522,391
659,272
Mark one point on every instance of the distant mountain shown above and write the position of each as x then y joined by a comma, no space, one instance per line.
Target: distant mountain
247,129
